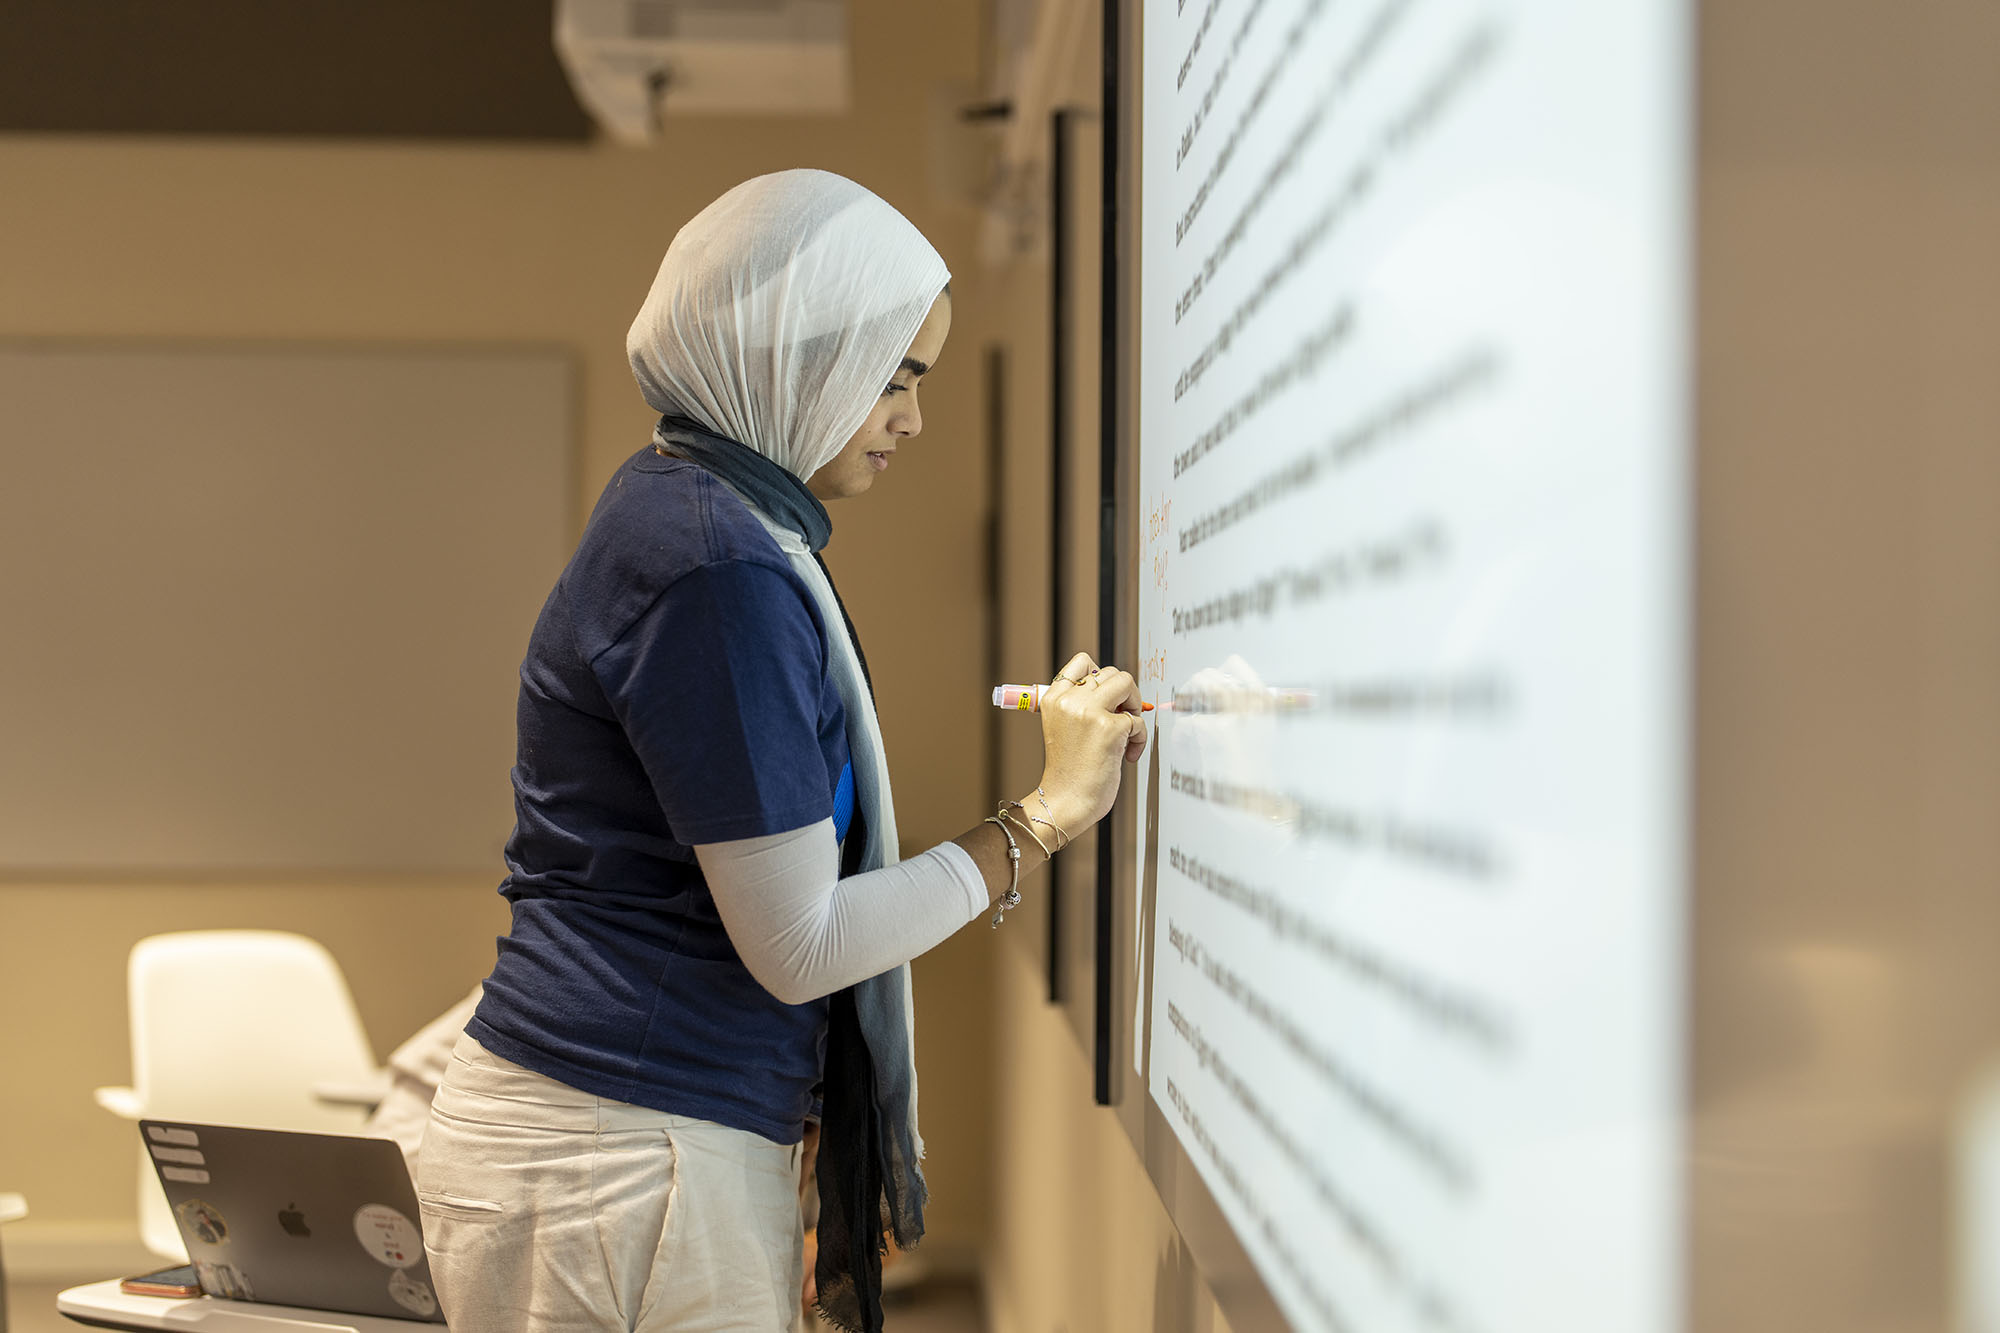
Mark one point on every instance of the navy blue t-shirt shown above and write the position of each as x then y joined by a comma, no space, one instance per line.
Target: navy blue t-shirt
676,691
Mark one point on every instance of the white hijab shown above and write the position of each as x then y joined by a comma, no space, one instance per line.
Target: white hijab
781,310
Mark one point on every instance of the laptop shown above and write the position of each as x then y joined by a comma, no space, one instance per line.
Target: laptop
326,1221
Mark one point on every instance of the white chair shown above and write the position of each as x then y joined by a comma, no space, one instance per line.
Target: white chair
237,1027
12,1208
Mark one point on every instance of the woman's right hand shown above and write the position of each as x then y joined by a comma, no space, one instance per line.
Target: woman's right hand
1091,720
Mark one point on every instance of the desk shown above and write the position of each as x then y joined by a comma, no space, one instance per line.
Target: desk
102,1305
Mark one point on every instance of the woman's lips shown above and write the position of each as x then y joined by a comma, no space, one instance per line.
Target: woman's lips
878,461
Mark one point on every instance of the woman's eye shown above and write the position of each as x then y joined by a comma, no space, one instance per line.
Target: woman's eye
891,388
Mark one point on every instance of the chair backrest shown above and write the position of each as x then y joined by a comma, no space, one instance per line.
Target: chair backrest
235,1026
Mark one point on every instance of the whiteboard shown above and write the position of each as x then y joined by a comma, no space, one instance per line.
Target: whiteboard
1413,529
264,607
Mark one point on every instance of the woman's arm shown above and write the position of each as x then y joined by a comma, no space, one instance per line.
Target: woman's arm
804,932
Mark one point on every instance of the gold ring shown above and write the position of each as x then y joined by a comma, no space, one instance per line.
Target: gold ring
1067,679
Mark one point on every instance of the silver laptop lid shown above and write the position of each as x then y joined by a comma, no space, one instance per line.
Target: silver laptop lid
326,1221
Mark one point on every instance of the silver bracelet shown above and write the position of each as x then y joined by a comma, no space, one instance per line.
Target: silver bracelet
1024,826
1011,898
1062,837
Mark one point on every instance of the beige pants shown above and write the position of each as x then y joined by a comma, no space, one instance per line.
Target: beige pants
547,1208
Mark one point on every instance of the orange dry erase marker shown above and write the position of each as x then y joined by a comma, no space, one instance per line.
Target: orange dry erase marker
1028,698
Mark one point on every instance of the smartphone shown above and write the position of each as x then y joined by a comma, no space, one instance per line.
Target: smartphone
180,1281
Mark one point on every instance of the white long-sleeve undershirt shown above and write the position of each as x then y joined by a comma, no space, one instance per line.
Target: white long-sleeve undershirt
805,932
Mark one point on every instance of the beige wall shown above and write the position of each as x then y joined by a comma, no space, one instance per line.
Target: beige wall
1845,1003
1080,1241
553,246
386,244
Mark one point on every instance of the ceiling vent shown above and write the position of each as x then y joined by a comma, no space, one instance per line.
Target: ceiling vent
635,62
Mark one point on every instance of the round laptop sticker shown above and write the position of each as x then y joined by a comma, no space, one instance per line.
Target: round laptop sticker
388,1236
412,1294
206,1224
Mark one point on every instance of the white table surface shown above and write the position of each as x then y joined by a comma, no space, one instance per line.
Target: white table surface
102,1304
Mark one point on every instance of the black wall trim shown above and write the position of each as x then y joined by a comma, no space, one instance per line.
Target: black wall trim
1059,508
1108,328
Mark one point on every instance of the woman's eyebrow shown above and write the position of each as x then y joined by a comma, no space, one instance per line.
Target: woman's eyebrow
916,367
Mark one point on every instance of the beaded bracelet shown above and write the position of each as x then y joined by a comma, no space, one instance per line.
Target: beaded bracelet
1011,898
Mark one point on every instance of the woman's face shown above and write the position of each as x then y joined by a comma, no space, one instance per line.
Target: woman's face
895,417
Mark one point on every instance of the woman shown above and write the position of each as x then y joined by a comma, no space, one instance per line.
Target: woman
710,919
